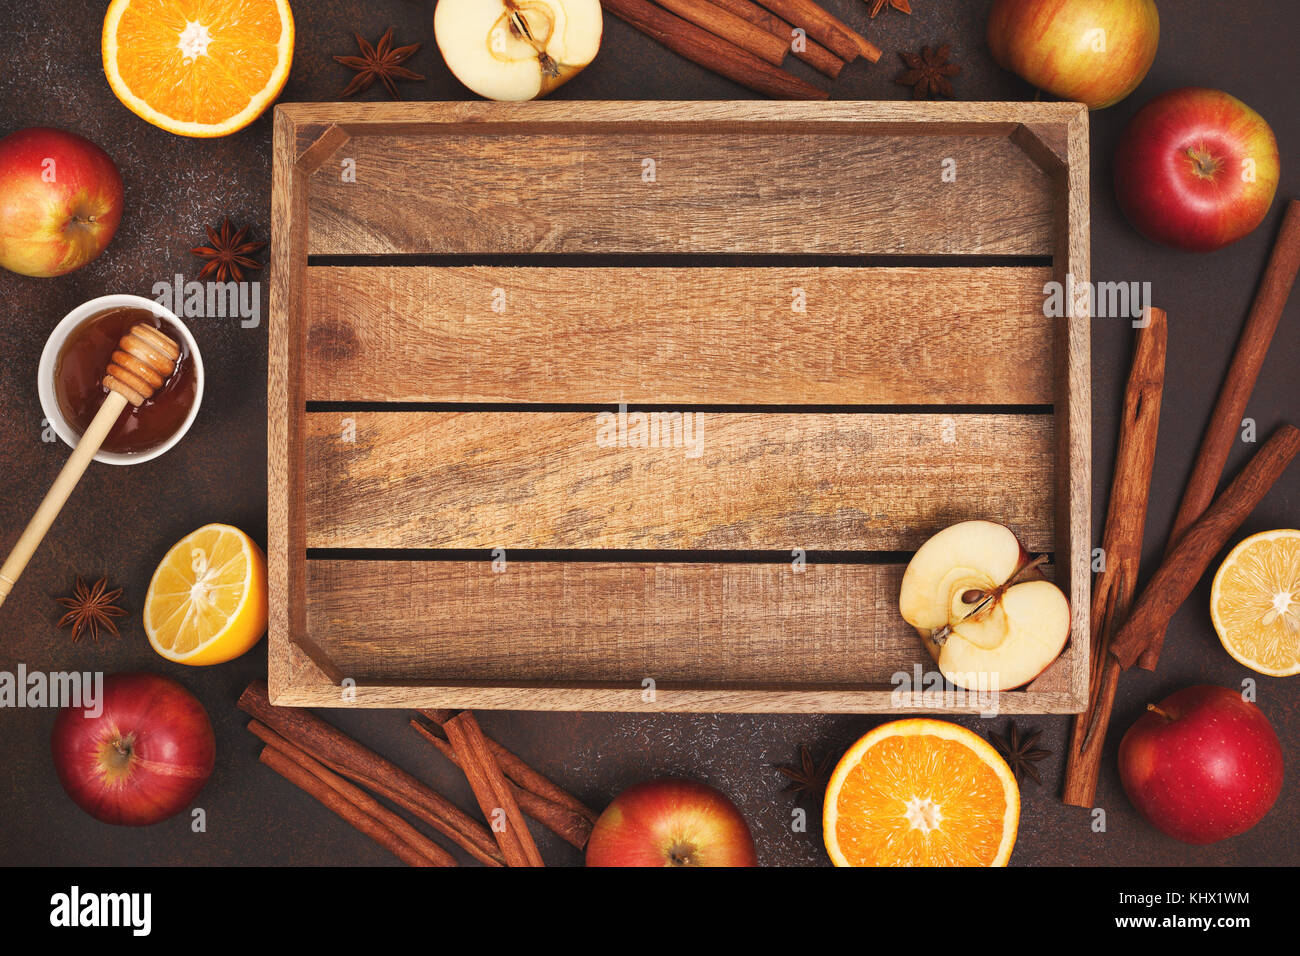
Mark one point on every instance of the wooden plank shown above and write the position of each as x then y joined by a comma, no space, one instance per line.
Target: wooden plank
544,191
747,480
1074,403
438,621
835,118
286,573
720,335
717,698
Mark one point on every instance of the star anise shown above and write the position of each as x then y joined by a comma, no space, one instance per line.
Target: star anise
927,72
382,62
1020,752
229,254
809,778
92,608
878,5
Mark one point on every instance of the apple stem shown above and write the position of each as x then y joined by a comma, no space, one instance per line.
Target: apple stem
1156,710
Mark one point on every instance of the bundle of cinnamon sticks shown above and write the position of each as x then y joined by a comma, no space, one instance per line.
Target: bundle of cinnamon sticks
347,778
747,42
1127,631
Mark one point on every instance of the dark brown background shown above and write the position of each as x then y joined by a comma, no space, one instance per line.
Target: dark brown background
122,520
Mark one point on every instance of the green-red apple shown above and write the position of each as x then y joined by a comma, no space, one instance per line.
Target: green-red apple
671,822
1091,51
60,201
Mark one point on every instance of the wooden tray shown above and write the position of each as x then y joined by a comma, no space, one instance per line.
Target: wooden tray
848,297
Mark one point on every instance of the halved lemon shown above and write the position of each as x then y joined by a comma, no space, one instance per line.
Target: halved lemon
207,600
198,67
921,792
1255,602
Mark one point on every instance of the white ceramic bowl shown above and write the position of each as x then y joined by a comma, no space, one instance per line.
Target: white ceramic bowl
50,358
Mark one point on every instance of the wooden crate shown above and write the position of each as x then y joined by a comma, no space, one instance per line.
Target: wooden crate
848,297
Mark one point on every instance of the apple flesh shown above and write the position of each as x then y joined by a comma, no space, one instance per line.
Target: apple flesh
517,49
144,758
1196,169
671,822
982,607
1091,51
1203,765
60,201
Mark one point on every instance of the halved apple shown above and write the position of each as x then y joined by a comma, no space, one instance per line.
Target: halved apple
983,608
517,49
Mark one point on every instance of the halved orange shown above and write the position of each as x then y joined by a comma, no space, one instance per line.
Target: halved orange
1255,602
207,601
921,792
198,67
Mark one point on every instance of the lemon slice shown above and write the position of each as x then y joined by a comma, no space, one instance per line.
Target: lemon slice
198,67
1255,602
207,600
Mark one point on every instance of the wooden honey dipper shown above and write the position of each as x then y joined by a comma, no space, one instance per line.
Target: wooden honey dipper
144,360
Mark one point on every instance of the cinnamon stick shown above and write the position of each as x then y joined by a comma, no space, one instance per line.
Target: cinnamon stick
810,51
569,826
412,838
346,757
1252,347
331,798
1113,590
829,30
723,23
1171,585
514,767
711,52
492,791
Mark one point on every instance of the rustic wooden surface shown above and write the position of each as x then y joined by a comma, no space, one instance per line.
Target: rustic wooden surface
678,335
760,481
176,186
451,190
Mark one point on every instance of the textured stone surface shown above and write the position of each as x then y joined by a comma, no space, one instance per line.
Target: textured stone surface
122,520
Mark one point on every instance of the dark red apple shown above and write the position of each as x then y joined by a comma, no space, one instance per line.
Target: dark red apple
671,822
1092,51
60,201
1196,169
143,758
1203,765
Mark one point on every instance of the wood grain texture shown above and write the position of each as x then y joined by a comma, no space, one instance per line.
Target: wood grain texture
818,481
615,622
710,636
682,335
1073,414
831,178
584,192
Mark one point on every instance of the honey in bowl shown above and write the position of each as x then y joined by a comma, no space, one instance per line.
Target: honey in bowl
79,376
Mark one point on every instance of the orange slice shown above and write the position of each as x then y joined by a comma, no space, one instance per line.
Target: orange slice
198,67
1255,602
921,792
207,600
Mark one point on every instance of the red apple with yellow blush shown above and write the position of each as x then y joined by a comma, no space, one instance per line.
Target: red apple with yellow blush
60,201
671,822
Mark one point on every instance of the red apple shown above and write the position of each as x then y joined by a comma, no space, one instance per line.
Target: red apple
1202,766
1196,169
671,822
1091,51
143,758
60,201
